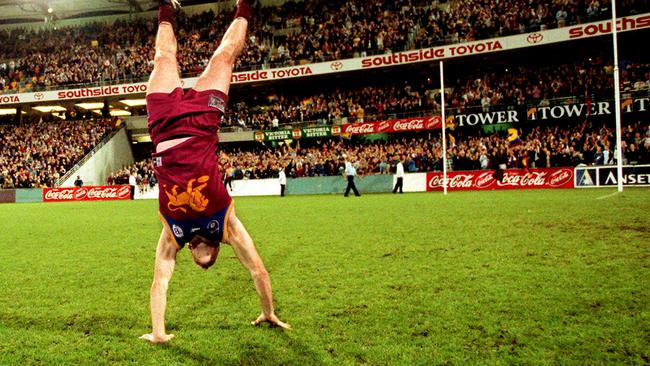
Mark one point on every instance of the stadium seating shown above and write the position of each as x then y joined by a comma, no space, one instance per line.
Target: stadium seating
34,155
590,144
487,88
142,170
286,35
541,147
310,32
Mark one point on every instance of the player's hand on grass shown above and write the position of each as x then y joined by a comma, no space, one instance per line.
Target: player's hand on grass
157,339
272,320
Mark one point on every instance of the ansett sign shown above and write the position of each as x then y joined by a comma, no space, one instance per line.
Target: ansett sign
606,176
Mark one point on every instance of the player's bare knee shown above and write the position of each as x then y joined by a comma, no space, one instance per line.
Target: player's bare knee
223,57
163,56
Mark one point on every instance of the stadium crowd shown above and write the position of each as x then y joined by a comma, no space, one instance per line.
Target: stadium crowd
490,88
289,34
591,79
142,171
537,147
34,155
327,106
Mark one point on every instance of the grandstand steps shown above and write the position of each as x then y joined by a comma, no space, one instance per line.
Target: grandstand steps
110,155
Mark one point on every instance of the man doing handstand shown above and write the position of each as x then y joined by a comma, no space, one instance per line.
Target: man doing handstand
195,208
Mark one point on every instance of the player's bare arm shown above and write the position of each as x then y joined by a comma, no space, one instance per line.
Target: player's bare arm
163,271
244,248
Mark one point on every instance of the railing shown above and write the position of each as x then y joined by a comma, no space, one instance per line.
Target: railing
80,163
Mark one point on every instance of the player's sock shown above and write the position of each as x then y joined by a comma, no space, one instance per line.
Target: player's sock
244,9
166,12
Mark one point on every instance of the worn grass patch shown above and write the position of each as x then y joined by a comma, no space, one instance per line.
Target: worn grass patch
524,277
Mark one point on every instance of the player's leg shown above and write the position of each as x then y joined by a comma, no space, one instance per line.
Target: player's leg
165,77
218,74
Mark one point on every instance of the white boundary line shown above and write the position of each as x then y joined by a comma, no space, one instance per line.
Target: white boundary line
608,196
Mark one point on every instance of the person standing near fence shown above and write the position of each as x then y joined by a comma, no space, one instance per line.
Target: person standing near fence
133,182
228,176
350,172
282,178
399,174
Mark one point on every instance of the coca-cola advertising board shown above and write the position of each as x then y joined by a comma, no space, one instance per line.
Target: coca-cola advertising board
98,193
512,179
393,126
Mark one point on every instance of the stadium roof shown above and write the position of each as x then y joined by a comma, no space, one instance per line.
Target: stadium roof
24,11
35,11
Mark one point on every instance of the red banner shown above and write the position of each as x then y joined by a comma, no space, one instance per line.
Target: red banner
393,125
102,193
512,179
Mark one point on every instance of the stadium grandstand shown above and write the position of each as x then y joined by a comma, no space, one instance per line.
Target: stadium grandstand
529,90
92,69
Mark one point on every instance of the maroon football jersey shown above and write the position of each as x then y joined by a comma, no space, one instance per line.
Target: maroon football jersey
188,174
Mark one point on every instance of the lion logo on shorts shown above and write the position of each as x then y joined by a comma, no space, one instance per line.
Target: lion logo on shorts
192,197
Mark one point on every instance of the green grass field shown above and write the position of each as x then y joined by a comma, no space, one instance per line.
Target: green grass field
522,277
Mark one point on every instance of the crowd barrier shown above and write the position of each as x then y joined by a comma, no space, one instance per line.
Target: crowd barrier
298,186
554,178
21,195
336,185
7,196
29,195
